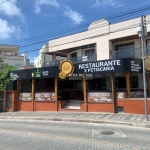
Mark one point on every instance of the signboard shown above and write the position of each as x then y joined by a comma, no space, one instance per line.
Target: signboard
66,67
50,96
102,97
25,97
88,69
121,95
13,76
136,66
137,94
110,66
100,66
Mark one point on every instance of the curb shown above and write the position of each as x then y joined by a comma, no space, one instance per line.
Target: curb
110,122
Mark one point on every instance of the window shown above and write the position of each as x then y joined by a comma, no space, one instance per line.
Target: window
125,50
3,52
8,53
73,55
89,52
134,82
125,46
120,82
17,66
148,46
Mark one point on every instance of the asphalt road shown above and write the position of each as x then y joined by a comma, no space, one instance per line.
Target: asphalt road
42,135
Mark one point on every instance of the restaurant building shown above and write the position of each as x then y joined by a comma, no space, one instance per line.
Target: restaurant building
102,72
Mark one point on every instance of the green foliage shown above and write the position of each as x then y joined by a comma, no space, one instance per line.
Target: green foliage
4,75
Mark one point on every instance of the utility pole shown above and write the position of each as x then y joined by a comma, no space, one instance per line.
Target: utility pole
142,31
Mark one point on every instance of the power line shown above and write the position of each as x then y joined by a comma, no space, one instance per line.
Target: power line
98,10
76,28
70,31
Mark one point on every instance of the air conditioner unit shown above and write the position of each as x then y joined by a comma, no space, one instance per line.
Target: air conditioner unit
84,58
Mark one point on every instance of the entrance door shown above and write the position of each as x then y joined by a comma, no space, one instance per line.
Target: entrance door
70,89
9,100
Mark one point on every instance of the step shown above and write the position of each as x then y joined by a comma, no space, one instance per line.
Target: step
71,107
73,104
75,101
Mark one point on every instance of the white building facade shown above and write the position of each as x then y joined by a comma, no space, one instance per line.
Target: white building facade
10,55
103,41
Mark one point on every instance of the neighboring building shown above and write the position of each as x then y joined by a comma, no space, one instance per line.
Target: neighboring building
9,54
44,57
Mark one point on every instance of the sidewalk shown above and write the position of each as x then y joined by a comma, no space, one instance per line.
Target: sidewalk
101,118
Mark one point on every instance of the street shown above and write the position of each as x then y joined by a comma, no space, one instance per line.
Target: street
46,135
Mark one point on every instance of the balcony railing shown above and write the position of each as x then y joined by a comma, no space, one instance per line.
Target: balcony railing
74,60
129,53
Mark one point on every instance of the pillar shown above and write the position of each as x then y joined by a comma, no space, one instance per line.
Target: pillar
17,94
128,83
53,57
113,91
33,93
84,89
56,89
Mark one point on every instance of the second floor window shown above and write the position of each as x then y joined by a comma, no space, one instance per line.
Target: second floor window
8,53
124,46
89,52
73,55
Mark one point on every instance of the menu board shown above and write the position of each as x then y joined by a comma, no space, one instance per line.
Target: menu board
25,97
121,95
137,94
45,96
103,97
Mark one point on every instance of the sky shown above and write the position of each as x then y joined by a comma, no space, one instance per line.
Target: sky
32,23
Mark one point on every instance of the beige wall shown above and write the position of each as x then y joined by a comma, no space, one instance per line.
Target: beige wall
101,35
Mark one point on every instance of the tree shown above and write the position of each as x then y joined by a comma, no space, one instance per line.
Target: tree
4,75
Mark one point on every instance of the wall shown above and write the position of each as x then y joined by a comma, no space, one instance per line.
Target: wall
133,106
24,106
99,107
12,60
45,106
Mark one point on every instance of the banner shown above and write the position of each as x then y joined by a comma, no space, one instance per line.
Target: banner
102,97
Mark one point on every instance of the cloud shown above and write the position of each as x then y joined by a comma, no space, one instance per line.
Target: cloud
38,4
113,3
7,30
10,9
73,15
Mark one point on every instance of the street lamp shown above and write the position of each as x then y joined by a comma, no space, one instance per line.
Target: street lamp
142,31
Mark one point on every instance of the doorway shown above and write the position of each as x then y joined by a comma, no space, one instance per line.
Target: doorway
70,89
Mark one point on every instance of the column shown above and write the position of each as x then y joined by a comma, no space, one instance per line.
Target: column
56,89
17,94
128,83
113,90
84,89
33,93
